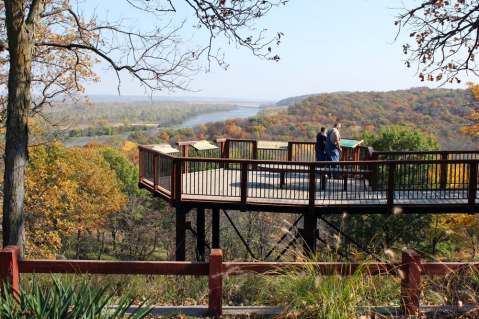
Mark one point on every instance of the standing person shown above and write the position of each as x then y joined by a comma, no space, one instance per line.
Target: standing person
333,148
321,145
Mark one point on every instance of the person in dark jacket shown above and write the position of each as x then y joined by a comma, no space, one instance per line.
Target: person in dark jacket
321,139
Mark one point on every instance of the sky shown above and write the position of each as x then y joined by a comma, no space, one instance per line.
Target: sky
328,46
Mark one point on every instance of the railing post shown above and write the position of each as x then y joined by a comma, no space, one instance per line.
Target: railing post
185,152
472,193
443,170
9,270
255,153
410,282
243,182
141,164
312,185
176,180
374,171
215,283
156,170
391,186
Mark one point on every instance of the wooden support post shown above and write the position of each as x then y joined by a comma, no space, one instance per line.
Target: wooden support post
156,170
410,282
185,151
374,169
9,270
244,182
255,153
443,171
215,228
309,233
391,186
141,164
177,180
472,191
312,185
200,233
215,284
180,234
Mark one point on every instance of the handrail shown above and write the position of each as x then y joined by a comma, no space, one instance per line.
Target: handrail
383,183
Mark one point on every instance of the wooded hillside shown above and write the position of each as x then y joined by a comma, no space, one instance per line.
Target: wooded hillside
440,112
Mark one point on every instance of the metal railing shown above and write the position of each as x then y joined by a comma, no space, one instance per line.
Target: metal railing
386,183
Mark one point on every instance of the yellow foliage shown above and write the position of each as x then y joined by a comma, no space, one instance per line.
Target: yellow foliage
68,190
473,129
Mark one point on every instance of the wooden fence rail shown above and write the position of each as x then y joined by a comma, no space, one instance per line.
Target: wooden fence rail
410,270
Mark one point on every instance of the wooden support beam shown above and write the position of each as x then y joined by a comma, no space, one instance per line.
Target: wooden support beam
443,170
9,270
200,233
215,228
309,233
180,234
215,284
410,282
391,186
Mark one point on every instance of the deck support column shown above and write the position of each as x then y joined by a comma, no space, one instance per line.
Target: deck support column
180,254
309,233
200,233
215,228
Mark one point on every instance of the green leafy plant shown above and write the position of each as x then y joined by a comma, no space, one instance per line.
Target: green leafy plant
66,301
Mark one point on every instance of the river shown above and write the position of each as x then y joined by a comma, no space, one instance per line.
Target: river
239,112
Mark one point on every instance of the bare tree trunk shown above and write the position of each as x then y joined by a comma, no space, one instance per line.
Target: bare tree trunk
19,99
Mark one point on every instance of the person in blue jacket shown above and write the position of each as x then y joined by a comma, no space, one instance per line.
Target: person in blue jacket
321,145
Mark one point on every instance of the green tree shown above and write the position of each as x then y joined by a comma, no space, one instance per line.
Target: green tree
401,138
381,232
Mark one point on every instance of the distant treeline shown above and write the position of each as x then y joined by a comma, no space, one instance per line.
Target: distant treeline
112,118
106,130
440,112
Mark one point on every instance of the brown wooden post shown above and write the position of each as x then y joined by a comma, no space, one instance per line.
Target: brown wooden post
472,191
309,232
141,164
200,233
255,153
391,186
215,228
215,284
156,170
312,185
185,151
244,182
9,270
443,171
177,179
374,169
180,254
410,282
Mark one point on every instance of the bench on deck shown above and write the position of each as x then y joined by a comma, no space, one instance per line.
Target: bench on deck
324,172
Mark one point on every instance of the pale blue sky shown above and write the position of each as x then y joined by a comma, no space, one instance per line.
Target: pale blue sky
328,46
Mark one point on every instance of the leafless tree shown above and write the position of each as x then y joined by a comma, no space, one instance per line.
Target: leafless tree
49,48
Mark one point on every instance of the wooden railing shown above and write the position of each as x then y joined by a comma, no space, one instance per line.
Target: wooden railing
410,270
382,183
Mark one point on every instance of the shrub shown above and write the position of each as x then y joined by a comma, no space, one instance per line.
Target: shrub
67,301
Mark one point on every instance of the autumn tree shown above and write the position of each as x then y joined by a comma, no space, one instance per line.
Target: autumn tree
444,38
69,192
49,47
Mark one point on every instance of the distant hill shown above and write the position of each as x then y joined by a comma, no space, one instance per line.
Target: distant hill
441,112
